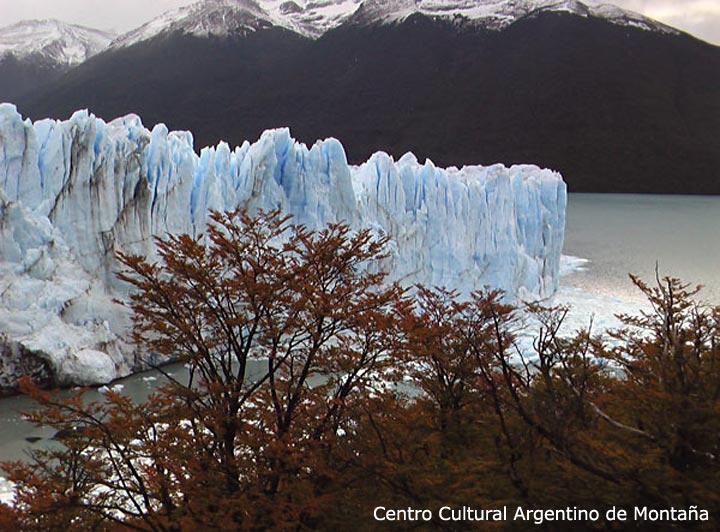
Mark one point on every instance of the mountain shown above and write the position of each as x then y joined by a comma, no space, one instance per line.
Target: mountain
615,101
313,18
74,193
496,14
34,52
54,41
222,18
219,18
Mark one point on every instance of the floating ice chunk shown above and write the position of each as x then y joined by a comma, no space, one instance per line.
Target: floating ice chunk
88,366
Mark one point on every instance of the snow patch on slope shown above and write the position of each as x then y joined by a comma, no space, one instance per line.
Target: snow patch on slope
311,17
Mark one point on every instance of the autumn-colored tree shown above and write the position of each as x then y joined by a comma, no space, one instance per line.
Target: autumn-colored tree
447,440
317,391
439,359
459,354
628,419
668,399
237,446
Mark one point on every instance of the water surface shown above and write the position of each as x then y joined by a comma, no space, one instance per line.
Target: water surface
617,233
630,233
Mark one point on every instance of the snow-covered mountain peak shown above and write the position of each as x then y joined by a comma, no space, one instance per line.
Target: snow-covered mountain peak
496,14
204,18
53,40
312,18
71,44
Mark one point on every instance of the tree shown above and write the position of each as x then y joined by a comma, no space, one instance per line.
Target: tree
229,448
293,417
669,395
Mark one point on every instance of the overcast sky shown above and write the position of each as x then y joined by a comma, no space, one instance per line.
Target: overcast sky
698,17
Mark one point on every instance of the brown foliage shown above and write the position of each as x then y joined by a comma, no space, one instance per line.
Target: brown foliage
317,392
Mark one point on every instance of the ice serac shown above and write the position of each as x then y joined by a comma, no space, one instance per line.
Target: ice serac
76,192
465,228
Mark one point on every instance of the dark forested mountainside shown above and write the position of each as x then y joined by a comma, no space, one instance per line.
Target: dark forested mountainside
614,108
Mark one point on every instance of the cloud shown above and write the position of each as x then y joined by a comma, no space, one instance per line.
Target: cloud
103,14
700,18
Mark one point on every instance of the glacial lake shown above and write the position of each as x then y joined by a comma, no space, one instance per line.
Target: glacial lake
630,233
617,234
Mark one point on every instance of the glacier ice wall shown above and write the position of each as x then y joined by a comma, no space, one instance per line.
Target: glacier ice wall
76,192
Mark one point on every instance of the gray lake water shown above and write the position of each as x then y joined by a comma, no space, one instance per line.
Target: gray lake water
618,234
630,233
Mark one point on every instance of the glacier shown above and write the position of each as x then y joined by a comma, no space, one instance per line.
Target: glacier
74,193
